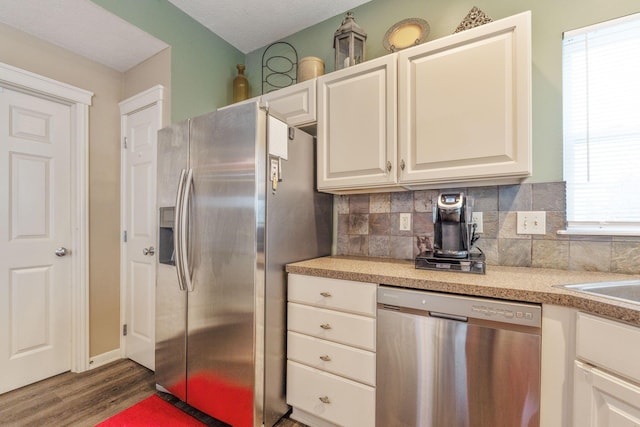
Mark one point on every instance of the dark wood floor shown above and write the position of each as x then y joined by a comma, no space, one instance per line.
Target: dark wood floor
83,399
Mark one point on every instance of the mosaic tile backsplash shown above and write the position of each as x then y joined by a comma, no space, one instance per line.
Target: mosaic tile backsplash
368,225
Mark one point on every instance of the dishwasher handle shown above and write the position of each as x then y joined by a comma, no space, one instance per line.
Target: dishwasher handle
436,314
448,316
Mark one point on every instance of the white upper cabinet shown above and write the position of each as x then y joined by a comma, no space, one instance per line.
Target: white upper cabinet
464,105
296,104
357,128
458,112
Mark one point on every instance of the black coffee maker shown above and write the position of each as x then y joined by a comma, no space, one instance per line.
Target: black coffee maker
453,237
452,225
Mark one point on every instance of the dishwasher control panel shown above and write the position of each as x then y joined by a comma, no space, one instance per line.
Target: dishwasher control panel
491,311
460,306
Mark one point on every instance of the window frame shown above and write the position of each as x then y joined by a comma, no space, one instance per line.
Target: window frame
589,227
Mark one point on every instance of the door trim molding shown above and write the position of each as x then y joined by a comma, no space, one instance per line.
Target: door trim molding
79,101
153,96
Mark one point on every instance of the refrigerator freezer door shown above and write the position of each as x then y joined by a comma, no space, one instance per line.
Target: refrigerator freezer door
171,301
226,224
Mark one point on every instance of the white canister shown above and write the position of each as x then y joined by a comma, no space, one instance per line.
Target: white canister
310,67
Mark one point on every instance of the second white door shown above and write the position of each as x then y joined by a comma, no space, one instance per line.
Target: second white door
140,128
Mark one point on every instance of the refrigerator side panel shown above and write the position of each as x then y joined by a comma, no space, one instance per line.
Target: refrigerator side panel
299,226
222,255
171,302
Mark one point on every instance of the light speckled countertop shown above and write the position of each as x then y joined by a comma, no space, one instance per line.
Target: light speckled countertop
512,283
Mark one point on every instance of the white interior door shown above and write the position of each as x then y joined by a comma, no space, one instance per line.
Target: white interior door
140,128
35,224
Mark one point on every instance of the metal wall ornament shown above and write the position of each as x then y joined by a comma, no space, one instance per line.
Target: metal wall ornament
474,18
279,66
349,42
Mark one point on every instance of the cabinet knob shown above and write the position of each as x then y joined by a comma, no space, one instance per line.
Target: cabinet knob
388,166
402,164
325,358
325,326
325,294
324,399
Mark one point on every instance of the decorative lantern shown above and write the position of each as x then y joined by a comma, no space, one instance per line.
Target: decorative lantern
349,43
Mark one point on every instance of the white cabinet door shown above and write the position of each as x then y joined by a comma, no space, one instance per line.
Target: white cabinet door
357,126
464,105
296,104
603,400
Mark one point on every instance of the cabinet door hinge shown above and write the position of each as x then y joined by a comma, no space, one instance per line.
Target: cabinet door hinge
124,330
124,142
124,236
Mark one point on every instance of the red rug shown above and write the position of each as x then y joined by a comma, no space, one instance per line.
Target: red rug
151,412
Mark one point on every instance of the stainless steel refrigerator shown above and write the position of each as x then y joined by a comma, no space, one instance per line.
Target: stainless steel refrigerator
236,203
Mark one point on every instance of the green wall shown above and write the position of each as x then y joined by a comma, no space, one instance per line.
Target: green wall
549,18
202,64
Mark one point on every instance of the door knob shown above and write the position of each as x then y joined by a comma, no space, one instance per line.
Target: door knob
61,251
149,251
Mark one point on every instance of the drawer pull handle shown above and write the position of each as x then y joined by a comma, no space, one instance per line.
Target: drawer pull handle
325,326
325,294
324,399
325,358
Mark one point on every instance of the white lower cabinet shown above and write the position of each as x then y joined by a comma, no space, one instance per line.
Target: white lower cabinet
607,373
604,400
331,363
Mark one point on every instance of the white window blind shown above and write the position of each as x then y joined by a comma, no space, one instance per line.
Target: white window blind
601,114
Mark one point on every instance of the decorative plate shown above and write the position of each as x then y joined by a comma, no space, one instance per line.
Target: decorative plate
406,33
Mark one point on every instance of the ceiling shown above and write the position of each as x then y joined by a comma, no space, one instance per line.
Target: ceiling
85,28
252,24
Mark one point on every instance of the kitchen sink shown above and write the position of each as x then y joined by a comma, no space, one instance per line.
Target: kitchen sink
626,290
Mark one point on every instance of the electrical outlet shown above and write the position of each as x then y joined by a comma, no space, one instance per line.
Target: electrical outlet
531,222
476,218
405,222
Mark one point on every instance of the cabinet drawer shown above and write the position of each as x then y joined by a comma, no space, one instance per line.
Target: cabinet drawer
611,345
344,295
343,328
350,403
353,363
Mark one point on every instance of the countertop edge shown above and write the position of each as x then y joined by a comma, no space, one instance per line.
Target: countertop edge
533,285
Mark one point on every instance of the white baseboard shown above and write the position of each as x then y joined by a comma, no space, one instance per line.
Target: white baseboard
104,358
309,419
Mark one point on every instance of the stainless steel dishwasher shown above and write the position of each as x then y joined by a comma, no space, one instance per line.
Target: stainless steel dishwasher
453,361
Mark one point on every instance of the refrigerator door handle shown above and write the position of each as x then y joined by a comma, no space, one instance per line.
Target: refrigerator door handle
177,237
184,231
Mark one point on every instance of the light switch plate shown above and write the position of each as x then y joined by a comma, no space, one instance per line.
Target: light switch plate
531,222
